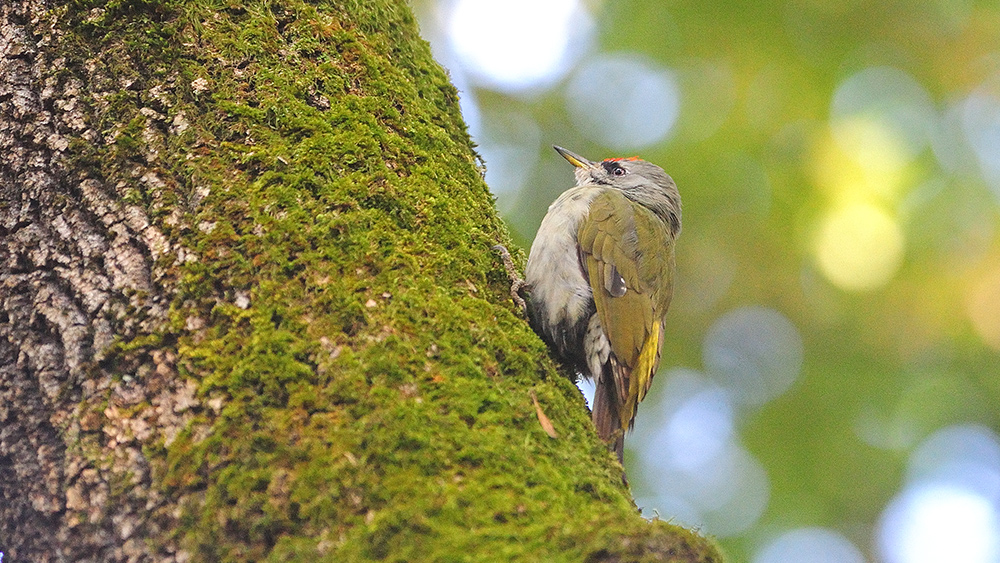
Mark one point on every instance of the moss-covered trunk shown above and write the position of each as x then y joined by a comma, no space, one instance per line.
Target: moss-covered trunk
249,310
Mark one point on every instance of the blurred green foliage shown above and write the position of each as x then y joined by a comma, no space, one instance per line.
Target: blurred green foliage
754,155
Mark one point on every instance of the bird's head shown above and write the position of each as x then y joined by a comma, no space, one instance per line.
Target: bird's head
643,182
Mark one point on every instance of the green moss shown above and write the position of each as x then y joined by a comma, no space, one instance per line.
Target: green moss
376,386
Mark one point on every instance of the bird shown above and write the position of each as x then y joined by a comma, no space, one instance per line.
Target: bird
600,278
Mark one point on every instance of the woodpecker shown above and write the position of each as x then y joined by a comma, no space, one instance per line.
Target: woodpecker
600,277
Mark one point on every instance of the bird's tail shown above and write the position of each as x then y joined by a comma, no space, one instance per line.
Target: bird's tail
607,412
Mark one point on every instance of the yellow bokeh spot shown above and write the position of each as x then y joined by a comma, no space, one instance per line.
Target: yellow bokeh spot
982,304
859,246
861,159
870,143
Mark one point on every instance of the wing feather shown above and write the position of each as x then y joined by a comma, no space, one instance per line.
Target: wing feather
632,281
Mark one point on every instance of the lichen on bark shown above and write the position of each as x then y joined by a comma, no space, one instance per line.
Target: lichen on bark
250,309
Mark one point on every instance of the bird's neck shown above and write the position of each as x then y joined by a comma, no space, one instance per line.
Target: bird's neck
665,206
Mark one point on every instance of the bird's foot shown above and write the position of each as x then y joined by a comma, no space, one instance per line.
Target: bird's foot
516,281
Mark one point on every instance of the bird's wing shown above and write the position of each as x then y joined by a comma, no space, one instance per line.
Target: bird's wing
631,277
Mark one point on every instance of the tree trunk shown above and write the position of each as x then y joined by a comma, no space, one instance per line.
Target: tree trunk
249,310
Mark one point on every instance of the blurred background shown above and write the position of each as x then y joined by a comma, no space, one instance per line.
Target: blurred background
830,385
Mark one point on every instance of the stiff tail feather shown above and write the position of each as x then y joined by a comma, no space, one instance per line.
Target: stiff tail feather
607,412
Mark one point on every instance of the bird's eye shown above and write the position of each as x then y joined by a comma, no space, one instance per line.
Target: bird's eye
612,167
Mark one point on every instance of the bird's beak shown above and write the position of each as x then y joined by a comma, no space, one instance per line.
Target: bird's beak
574,159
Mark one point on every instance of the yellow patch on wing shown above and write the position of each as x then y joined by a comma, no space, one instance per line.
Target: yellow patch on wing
642,375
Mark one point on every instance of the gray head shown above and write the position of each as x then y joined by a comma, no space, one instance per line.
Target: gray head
643,182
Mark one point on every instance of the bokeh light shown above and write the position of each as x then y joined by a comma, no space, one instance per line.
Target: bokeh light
882,117
983,306
964,455
881,120
509,143
981,124
623,101
876,175
699,430
755,353
704,477
950,143
932,399
949,510
810,545
931,523
518,44
878,154
859,247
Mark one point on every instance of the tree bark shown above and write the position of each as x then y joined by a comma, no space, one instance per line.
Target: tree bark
248,307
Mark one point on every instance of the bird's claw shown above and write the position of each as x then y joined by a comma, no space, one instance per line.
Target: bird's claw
516,281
